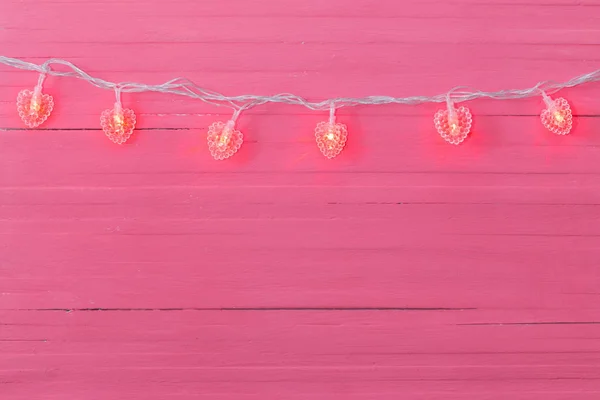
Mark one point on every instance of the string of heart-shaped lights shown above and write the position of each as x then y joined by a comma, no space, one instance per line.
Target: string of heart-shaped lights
224,140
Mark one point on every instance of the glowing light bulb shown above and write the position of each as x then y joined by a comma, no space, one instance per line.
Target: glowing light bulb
118,123
225,136
224,140
557,117
453,124
118,119
331,138
34,107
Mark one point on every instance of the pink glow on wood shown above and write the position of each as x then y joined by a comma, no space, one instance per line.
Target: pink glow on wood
405,268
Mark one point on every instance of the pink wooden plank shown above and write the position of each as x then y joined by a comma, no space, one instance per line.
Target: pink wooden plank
406,268
303,353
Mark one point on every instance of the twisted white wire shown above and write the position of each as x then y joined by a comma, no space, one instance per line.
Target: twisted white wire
185,87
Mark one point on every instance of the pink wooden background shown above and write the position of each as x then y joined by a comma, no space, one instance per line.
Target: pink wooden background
406,268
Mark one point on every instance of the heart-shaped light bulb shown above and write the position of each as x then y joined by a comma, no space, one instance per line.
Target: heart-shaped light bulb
34,107
557,117
118,123
224,140
331,138
454,125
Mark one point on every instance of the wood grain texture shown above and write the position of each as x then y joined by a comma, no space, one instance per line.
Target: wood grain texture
405,268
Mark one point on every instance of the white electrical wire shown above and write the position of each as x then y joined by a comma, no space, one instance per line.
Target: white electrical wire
185,87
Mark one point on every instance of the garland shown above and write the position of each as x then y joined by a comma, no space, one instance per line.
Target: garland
224,140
